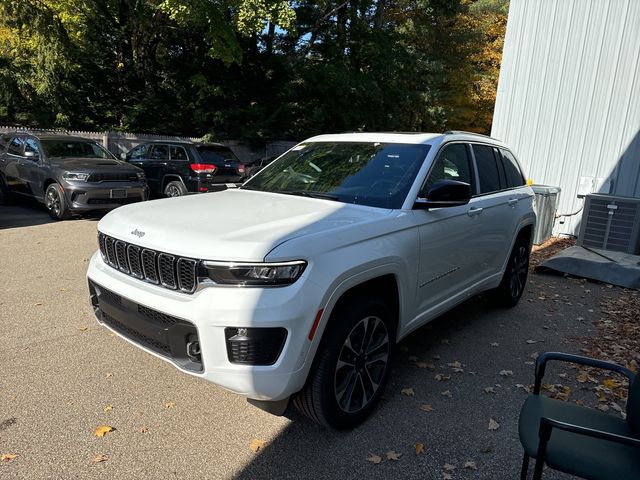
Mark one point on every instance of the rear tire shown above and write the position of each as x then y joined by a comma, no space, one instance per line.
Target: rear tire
56,203
174,189
514,279
351,367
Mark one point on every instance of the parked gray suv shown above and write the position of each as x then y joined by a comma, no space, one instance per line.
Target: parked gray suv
68,174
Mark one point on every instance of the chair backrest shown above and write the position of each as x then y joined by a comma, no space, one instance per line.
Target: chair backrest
633,406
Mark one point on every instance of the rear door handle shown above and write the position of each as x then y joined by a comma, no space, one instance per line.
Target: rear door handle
512,202
474,211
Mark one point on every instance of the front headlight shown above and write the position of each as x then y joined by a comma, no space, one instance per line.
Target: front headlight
255,274
73,176
141,176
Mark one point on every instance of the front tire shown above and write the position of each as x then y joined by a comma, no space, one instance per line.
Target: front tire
56,203
174,189
514,279
352,365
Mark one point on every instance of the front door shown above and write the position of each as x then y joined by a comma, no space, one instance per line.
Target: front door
448,262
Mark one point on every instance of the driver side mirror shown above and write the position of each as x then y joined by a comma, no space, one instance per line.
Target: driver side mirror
123,156
31,155
444,193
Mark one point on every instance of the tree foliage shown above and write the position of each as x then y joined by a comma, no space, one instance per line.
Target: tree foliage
250,69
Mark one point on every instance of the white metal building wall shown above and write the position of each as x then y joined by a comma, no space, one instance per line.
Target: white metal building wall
568,99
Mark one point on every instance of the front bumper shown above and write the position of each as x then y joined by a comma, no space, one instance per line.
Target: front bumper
206,316
104,196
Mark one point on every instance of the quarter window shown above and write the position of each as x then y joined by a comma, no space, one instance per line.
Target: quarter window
488,172
16,146
511,169
452,164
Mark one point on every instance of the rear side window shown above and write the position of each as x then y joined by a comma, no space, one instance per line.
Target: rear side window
141,151
512,170
160,152
178,153
216,154
488,168
452,164
31,145
16,145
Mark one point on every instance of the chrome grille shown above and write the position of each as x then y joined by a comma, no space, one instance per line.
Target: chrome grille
159,268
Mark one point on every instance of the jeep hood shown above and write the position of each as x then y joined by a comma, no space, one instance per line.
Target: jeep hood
237,225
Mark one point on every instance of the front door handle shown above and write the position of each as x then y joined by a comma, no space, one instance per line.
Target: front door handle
472,212
512,202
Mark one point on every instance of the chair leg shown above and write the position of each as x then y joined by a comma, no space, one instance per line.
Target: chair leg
525,467
537,472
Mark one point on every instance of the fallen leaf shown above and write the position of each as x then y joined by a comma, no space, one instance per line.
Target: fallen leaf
524,387
448,467
495,344
375,459
99,458
109,375
486,449
489,390
442,378
419,448
38,304
102,430
447,476
427,407
506,373
493,425
256,445
169,405
455,364
435,357
392,455
446,393
430,366
108,408
83,328
469,465
531,342
408,392
143,429
7,457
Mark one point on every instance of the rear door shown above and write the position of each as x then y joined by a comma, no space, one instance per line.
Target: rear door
156,165
31,167
448,262
495,231
13,158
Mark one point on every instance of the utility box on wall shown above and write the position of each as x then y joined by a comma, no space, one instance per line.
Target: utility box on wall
611,223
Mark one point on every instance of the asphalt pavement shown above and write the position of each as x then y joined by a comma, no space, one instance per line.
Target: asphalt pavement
62,376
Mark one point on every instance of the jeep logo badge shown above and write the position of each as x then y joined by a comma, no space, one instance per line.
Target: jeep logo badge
137,233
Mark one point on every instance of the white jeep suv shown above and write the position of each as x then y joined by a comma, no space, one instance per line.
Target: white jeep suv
299,284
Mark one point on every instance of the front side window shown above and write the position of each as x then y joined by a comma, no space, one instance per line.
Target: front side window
31,145
75,149
488,172
139,152
363,173
16,146
511,169
452,164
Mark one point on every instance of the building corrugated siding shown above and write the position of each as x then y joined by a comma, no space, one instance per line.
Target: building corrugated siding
568,99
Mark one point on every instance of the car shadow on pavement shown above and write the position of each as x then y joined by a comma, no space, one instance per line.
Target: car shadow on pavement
27,212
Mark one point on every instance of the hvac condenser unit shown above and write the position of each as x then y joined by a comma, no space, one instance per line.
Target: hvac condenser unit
611,223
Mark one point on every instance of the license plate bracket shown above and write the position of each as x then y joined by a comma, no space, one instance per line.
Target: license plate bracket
118,193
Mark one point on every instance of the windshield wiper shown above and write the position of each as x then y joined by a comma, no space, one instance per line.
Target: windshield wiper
311,194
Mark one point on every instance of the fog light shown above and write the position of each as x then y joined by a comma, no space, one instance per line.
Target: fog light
242,332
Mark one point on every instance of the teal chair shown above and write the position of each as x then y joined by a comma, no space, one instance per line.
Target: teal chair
578,440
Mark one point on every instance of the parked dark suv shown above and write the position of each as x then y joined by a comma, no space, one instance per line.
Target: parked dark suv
68,174
175,168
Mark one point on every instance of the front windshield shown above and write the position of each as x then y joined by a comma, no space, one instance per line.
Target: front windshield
75,149
364,173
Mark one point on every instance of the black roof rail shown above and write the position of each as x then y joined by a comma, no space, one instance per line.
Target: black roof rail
453,132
